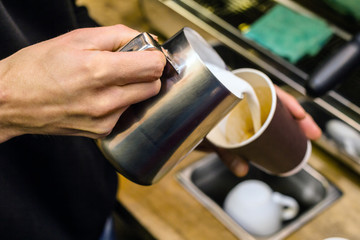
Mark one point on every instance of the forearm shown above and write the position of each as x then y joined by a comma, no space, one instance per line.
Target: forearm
7,130
15,94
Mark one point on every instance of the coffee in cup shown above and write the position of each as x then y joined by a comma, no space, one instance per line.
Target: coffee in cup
239,123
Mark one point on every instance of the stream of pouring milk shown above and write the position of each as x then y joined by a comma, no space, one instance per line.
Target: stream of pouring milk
238,87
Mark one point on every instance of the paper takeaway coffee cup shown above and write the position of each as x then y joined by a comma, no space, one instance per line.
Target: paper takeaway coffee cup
279,147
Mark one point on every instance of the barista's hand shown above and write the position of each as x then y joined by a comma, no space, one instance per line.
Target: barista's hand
305,121
75,84
240,167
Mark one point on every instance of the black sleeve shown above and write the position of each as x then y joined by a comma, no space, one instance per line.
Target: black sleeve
82,16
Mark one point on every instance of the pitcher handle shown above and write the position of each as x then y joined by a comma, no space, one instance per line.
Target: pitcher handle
145,41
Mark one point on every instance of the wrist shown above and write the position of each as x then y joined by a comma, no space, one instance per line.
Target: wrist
7,130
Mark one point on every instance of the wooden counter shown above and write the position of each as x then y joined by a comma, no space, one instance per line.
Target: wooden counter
168,211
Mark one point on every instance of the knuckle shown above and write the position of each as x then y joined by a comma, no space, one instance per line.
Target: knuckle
158,67
121,27
89,61
86,68
156,87
76,34
76,31
105,127
158,70
90,68
96,112
99,110
102,127
153,88
4,96
103,132
94,108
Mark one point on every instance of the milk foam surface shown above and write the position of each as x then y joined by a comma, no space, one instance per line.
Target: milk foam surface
239,87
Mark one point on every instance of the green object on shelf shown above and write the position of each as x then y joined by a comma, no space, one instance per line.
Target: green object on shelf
346,7
289,34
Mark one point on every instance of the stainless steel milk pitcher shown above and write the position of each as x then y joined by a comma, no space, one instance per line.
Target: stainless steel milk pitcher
151,137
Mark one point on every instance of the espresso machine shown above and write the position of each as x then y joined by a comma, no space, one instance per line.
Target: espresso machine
325,78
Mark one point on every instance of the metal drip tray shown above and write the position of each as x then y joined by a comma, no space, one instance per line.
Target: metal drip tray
209,181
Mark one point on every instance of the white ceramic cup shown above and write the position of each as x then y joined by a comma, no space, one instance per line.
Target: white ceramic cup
258,209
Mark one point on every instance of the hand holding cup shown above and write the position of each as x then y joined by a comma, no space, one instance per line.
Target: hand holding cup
280,146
